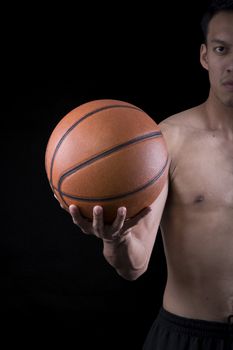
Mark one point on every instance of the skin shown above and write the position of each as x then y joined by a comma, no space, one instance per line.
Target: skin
195,208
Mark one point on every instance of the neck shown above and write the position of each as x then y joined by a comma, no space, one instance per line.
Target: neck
219,116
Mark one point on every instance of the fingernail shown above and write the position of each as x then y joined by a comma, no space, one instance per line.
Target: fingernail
71,207
98,210
122,211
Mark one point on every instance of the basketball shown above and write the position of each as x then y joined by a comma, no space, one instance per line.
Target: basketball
109,153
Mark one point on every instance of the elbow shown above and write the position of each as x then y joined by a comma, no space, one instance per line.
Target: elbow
131,275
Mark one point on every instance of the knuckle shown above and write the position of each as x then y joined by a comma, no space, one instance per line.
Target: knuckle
94,225
75,221
98,229
118,224
84,231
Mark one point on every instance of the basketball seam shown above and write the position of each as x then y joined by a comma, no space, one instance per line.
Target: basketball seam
106,153
77,123
151,135
123,195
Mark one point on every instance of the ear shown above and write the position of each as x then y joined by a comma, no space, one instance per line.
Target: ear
203,56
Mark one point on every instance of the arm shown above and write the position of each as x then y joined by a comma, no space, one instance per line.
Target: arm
130,255
127,244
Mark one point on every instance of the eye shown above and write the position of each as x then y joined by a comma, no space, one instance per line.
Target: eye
220,50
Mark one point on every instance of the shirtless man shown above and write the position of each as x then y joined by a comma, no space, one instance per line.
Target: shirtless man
194,211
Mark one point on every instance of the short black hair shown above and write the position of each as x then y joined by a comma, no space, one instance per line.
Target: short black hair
213,8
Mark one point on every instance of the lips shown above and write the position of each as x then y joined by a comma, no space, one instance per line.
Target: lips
228,84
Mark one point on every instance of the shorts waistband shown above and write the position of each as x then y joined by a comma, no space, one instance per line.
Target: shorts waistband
194,326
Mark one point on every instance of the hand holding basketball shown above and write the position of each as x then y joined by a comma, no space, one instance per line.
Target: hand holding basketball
106,153
114,232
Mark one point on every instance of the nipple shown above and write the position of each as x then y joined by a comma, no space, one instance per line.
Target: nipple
199,199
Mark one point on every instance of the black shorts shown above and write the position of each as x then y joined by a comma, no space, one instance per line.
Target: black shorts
172,332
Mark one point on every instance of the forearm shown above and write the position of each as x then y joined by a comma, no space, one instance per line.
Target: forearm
127,255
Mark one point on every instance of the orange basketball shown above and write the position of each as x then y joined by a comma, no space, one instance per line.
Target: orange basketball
108,153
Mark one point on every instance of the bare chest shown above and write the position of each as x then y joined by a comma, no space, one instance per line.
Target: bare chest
202,172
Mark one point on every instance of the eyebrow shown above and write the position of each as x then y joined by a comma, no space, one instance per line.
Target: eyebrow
218,41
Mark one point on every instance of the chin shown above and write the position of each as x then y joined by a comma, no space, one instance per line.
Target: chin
227,102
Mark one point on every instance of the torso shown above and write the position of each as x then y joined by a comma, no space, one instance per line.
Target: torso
197,224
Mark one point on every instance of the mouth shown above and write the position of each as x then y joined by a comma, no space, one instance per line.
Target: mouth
228,84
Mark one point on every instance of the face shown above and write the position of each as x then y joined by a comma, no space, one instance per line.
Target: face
217,57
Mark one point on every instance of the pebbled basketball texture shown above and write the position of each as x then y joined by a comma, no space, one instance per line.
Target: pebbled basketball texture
109,153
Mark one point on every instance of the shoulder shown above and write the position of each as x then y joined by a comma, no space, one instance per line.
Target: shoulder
190,118
180,125
179,129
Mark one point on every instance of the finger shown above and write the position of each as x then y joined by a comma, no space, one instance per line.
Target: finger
79,220
120,218
98,222
62,206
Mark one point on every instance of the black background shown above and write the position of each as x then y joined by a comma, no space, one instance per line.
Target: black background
56,285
